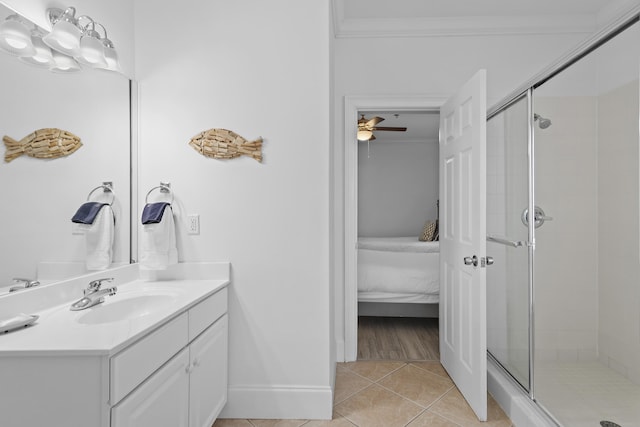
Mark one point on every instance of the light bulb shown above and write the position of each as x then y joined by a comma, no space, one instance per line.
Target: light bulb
364,135
15,37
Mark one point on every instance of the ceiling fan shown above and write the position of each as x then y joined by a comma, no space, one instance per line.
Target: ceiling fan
367,126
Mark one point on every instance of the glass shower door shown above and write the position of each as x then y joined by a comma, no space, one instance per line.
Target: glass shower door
587,269
508,278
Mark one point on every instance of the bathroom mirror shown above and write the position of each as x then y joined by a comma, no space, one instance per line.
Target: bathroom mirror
40,196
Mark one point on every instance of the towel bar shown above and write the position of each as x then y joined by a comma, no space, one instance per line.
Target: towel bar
515,244
165,187
107,187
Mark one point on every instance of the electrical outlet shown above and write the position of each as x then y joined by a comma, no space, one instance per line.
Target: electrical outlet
193,223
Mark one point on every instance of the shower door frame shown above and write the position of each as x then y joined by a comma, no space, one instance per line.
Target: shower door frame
530,244
624,21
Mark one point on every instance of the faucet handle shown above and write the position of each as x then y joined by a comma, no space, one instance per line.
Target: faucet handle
27,283
94,285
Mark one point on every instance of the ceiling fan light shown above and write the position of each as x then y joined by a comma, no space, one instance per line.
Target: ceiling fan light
15,37
364,135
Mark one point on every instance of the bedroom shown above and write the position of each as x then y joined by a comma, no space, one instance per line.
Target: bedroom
398,272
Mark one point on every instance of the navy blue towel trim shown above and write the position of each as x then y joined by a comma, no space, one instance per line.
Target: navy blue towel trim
87,213
152,212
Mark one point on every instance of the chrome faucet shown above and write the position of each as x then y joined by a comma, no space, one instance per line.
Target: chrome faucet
93,295
24,284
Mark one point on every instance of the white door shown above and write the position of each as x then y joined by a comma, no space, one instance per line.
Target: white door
463,344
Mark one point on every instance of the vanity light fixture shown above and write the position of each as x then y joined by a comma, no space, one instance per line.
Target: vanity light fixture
63,63
91,48
65,32
43,57
110,54
82,42
15,36
71,42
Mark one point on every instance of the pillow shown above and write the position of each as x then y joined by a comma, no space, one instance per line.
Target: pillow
429,231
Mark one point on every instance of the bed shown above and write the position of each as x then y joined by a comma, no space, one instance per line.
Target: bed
398,270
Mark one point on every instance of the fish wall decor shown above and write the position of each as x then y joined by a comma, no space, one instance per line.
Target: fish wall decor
48,143
225,144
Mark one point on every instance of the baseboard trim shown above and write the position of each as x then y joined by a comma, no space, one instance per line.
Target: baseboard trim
279,402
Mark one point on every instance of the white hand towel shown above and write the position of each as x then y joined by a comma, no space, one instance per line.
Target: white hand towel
99,240
158,243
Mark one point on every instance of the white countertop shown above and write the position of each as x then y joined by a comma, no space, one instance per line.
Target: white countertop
94,331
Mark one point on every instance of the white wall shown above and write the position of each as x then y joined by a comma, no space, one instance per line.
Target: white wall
259,69
397,187
425,66
39,196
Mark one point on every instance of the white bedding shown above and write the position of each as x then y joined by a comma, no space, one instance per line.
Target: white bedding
398,244
398,276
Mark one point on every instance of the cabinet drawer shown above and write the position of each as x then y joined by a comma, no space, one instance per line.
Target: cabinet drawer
131,366
207,312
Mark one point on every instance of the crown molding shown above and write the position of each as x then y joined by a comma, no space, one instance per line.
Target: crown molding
459,26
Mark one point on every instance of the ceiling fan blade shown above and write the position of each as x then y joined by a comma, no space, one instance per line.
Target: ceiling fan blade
372,138
397,129
373,121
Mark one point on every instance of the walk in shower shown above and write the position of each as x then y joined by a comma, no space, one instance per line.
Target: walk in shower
563,225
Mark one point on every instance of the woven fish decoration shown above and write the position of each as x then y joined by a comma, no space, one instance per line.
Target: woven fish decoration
225,144
49,143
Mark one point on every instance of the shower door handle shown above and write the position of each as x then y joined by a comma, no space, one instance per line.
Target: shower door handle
539,217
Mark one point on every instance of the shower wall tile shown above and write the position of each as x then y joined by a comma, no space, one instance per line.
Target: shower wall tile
587,355
567,355
619,241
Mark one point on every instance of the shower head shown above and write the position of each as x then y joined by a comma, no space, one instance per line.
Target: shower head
542,122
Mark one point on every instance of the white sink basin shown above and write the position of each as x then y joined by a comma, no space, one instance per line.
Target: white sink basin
127,308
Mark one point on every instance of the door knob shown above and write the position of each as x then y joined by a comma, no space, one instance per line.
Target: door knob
471,260
489,260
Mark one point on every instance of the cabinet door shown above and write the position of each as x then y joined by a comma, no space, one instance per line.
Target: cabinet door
162,400
208,384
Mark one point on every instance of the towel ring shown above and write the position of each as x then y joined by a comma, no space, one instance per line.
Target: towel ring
107,187
165,187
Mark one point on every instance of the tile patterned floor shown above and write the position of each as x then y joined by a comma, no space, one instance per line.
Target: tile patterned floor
392,394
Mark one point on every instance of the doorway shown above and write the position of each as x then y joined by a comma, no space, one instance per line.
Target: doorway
354,106
398,187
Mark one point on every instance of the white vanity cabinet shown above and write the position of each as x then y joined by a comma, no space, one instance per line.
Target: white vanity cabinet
168,368
188,389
